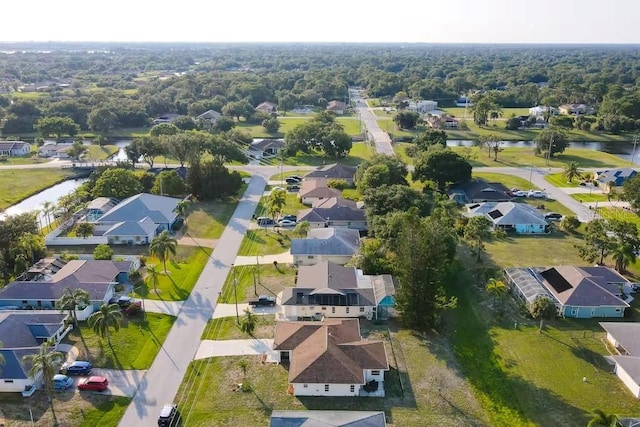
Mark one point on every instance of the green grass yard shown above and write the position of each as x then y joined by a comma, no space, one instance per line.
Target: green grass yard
134,346
207,220
18,184
226,328
269,281
182,274
359,152
96,152
266,242
588,198
560,181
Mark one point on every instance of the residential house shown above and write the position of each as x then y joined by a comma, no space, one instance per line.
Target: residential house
327,289
330,358
337,107
327,419
333,171
44,283
334,212
577,109
520,218
463,101
625,339
442,122
580,292
21,334
209,117
267,107
479,191
165,118
541,111
608,180
337,245
55,150
266,147
14,148
422,106
315,190
100,206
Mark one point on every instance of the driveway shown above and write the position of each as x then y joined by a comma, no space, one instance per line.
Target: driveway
163,307
160,385
251,347
121,382
229,310
283,258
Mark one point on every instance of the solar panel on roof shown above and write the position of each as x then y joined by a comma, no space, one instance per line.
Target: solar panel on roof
556,280
495,214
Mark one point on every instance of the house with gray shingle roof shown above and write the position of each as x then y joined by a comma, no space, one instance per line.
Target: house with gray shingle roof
625,338
581,292
336,214
330,358
333,171
14,148
316,190
337,245
327,419
608,179
511,217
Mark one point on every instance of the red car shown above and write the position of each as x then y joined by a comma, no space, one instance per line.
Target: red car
93,383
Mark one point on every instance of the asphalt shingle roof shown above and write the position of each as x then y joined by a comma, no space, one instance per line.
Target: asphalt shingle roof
144,227
327,419
18,330
13,368
508,213
160,209
327,241
334,171
627,334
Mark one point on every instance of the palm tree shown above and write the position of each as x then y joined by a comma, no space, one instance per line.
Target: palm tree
108,316
47,210
249,322
162,247
497,288
181,209
153,275
244,366
571,171
543,308
31,244
45,363
85,229
277,200
623,254
602,419
302,228
70,300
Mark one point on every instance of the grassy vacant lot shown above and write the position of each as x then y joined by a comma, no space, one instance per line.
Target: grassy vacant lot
266,242
207,220
529,250
560,181
72,409
18,184
524,157
359,152
506,113
226,328
182,274
586,197
269,281
134,346
96,152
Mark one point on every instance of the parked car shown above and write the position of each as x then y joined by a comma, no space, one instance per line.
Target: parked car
79,367
290,217
286,223
536,194
264,221
123,301
93,383
293,188
263,301
168,416
519,193
295,177
277,189
62,382
552,216
291,181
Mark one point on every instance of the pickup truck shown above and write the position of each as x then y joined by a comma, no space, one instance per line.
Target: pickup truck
263,301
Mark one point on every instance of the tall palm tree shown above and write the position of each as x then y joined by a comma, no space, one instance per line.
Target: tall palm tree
602,419
571,171
153,275
302,228
496,288
181,209
47,210
45,363
249,322
163,246
70,300
623,254
30,244
108,316
277,200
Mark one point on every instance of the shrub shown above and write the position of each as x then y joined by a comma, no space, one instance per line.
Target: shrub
133,309
570,223
338,184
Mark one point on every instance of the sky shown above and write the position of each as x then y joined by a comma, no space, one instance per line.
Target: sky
424,21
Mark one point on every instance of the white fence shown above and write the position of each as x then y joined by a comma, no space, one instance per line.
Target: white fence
52,238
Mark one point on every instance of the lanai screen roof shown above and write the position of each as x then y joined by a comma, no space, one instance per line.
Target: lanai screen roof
527,284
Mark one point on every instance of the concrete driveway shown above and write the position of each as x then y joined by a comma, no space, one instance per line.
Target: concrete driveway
164,307
283,258
252,347
229,310
121,382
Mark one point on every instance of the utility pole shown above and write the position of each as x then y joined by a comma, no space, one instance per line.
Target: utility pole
235,291
530,176
255,283
549,152
633,153
258,267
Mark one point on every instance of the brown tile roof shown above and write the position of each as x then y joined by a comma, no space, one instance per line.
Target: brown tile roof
326,274
317,188
333,202
328,352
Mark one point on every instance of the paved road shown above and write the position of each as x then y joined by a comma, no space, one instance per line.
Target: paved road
370,120
160,384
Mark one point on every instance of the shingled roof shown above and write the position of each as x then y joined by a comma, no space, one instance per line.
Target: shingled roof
328,352
327,241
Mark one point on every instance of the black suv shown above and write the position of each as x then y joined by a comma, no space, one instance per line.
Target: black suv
168,416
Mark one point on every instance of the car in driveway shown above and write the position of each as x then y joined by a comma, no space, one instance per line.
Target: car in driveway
291,181
168,416
62,382
293,188
79,367
94,383
537,194
519,193
552,216
286,223
297,178
123,301
293,218
264,221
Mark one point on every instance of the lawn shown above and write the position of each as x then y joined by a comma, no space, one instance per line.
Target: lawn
284,175
351,126
96,152
266,242
207,220
459,112
227,328
560,181
182,274
291,207
134,346
530,250
588,198
72,409
269,281
359,152
23,160
18,184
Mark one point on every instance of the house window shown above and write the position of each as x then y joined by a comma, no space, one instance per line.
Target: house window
324,308
24,301
39,303
574,311
8,381
310,257
617,309
375,372
361,309
305,385
352,388
326,387
333,310
137,238
347,309
117,238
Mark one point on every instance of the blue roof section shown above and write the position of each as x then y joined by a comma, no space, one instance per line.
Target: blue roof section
19,330
618,176
160,209
13,369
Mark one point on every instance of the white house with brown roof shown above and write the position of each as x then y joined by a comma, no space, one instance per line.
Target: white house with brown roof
330,358
337,107
315,190
625,338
